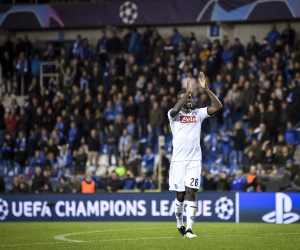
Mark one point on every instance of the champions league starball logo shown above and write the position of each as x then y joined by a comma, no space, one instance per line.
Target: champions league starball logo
3,209
224,208
128,12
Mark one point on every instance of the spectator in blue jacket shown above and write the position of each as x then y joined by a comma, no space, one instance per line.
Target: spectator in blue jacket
226,145
74,137
109,112
77,47
59,126
101,49
143,183
239,182
35,65
37,161
153,184
8,153
228,54
291,134
148,159
238,48
129,181
218,83
135,43
112,144
21,150
176,37
273,35
22,70
64,160
86,50
288,35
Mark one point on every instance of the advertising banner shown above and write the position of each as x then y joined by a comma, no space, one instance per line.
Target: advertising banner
279,208
112,207
147,12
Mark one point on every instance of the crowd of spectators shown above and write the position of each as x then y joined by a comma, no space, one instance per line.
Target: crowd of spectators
113,98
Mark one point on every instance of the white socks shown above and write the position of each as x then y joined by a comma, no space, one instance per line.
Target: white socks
178,213
191,210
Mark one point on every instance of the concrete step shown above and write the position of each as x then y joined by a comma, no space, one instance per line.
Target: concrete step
297,155
6,100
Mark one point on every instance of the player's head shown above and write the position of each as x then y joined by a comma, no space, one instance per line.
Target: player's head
189,100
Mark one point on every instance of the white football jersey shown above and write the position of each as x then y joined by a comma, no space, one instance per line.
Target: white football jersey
186,130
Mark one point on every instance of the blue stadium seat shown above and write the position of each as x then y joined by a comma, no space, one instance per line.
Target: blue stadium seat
245,127
169,149
213,138
212,159
54,182
280,171
213,170
8,182
232,159
204,159
233,169
224,168
169,138
205,149
103,149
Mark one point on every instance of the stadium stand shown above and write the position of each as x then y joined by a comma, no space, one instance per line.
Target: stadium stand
101,109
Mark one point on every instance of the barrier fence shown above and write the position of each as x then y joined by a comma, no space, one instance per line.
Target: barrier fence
280,208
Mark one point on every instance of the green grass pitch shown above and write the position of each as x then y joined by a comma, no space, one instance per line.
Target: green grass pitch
146,235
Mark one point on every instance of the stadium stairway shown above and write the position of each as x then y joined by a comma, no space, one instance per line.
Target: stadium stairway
6,101
297,155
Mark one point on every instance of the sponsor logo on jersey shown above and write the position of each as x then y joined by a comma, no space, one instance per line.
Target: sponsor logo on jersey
188,119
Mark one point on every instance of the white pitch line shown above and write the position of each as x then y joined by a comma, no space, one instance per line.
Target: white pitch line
63,236
33,244
146,238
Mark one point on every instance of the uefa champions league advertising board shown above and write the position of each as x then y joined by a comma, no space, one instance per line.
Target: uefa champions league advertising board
111,207
280,208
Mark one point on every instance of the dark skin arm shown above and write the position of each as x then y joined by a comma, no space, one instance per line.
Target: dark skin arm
180,103
217,105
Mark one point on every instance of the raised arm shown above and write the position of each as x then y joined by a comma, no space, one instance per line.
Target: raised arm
180,103
217,105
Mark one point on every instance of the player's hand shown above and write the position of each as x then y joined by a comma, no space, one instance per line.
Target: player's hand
188,86
202,80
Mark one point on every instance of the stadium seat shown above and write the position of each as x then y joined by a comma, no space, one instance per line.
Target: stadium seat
204,159
206,148
280,171
169,149
169,138
212,159
54,182
232,159
213,169
233,169
224,168
245,126
103,149
155,150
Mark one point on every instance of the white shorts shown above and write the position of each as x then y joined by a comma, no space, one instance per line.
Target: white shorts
184,174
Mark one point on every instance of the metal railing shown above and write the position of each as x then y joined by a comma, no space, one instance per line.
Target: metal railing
45,74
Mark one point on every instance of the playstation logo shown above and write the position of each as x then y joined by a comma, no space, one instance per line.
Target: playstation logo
282,213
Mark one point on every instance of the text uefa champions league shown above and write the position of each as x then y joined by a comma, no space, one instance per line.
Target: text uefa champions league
101,208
